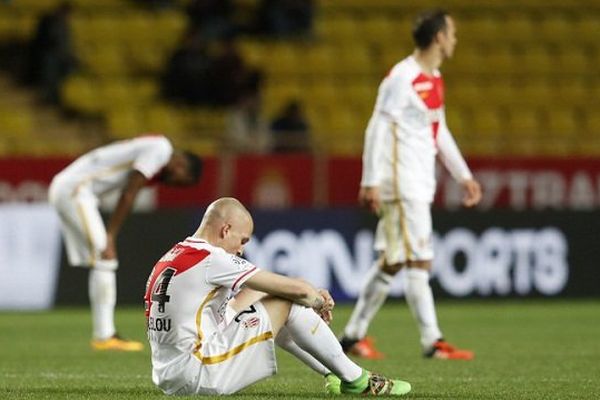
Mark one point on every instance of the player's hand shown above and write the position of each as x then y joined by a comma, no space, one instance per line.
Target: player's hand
110,252
325,311
328,302
472,195
368,197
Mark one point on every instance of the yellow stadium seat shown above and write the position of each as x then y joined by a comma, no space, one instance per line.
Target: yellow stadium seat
165,120
104,30
201,146
533,92
536,61
378,28
586,28
555,27
360,94
6,27
124,93
466,93
170,26
574,61
205,121
501,60
34,6
283,59
147,58
323,93
468,61
560,132
342,28
254,53
105,61
487,122
16,124
354,60
124,123
519,28
562,122
500,93
523,122
588,141
81,94
480,29
319,60
525,131
457,123
574,91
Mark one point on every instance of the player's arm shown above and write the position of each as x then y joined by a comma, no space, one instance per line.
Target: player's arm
368,195
135,183
295,290
391,97
456,164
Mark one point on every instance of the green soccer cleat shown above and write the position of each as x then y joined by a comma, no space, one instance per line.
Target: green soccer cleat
370,384
332,384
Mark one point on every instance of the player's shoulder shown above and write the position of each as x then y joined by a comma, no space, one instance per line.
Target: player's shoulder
402,72
223,257
154,141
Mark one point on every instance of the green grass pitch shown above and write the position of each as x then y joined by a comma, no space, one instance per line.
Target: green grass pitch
524,350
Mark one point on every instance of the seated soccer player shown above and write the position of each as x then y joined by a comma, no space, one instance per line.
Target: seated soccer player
214,318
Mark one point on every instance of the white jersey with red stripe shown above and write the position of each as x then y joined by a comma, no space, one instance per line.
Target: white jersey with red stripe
186,298
108,167
406,132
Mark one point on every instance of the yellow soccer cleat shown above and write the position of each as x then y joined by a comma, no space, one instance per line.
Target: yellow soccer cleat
116,343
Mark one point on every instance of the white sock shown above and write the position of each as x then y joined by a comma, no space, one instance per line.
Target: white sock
420,300
285,341
103,297
370,300
315,337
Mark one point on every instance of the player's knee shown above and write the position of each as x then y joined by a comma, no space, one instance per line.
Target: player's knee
278,310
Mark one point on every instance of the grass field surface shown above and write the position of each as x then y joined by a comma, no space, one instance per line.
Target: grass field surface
524,350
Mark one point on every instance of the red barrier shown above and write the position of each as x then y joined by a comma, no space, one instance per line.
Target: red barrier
281,181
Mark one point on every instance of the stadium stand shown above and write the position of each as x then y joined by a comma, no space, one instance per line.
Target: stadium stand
523,72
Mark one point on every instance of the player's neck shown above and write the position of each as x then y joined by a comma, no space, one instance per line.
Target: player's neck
429,59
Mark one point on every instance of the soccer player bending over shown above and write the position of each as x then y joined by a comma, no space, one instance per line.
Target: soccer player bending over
214,318
124,166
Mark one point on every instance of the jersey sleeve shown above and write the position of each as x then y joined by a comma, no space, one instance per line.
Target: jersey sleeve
153,158
392,97
374,137
390,100
229,271
450,154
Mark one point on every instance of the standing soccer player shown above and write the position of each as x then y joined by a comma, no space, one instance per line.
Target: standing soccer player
406,132
214,318
125,166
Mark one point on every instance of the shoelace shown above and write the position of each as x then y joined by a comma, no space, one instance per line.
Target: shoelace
379,385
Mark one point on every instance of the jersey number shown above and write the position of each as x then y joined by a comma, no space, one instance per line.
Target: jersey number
250,310
162,284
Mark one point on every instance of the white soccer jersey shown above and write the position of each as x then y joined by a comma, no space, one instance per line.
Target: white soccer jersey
108,167
405,133
186,298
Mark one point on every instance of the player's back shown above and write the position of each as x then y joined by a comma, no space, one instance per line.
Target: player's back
186,297
107,167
